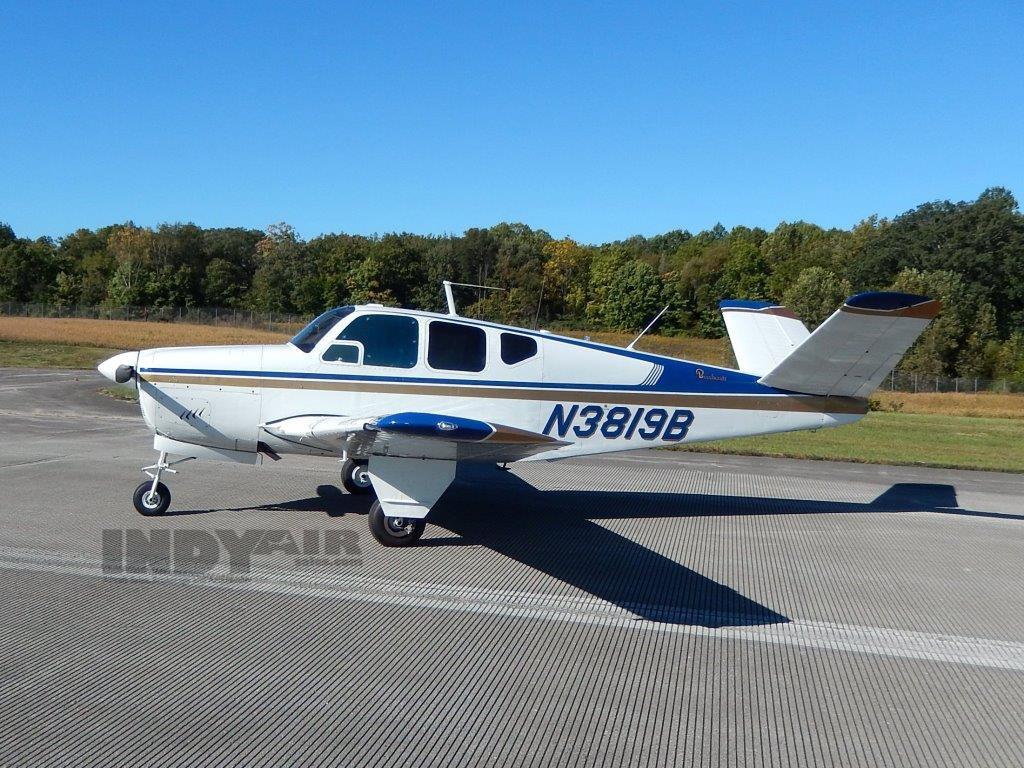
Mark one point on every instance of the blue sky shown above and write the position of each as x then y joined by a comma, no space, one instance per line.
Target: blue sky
591,120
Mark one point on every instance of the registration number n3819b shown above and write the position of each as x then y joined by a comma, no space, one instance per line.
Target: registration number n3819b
618,422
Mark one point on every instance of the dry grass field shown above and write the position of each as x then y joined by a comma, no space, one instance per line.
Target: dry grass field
712,351
127,334
134,334
983,404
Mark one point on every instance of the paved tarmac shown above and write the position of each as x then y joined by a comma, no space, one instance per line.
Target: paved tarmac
653,608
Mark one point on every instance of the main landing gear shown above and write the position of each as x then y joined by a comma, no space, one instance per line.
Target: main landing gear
394,531
152,498
355,477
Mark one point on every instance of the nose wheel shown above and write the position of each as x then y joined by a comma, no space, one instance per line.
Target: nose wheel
394,531
152,502
152,497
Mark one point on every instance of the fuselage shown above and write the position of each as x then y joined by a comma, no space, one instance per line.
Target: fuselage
367,361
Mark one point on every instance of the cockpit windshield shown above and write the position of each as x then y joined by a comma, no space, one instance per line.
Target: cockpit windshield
308,337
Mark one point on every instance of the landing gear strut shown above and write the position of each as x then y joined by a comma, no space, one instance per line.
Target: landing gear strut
152,498
394,531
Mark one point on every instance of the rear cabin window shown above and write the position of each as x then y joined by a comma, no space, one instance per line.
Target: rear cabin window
515,348
391,341
456,347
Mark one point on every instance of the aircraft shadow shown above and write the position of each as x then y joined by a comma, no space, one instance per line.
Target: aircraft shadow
557,533
329,499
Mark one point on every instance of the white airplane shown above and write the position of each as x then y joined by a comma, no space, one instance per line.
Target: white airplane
403,396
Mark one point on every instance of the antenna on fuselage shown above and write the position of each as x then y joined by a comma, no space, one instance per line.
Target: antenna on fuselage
650,325
450,297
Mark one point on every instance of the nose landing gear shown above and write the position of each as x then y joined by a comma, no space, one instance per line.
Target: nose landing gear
153,498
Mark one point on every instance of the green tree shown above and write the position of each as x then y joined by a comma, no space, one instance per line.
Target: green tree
936,351
816,294
565,277
978,356
277,256
634,297
604,268
131,249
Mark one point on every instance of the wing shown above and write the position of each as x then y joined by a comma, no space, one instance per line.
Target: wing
413,435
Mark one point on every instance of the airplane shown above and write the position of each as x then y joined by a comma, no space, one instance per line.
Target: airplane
403,396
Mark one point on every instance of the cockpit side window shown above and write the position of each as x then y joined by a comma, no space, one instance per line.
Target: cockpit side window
310,336
388,340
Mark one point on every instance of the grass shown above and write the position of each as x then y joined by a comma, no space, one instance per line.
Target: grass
128,334
126,393
931,440
136,334
711,351
983,404
23,354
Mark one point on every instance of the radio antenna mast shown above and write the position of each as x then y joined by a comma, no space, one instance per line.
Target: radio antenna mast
650,325
450,298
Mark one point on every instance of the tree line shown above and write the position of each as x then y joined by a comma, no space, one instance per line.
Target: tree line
970,255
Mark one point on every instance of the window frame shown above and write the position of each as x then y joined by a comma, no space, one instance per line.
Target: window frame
426,347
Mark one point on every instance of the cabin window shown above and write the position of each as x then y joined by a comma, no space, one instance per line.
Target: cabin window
515,348
391,341
309,336
456,347
347,352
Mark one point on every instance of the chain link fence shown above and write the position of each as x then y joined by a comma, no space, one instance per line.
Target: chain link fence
903,381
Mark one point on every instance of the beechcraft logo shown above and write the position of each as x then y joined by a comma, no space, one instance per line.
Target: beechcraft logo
446,426
703,375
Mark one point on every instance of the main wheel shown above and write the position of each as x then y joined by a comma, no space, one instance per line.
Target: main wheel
394,531
152,503
355,478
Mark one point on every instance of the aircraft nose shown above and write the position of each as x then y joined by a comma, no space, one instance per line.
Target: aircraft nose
119,368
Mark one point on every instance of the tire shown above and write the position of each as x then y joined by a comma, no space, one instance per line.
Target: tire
147,506
355,478
386,533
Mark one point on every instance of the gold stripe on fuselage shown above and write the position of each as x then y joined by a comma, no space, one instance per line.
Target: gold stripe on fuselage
785,403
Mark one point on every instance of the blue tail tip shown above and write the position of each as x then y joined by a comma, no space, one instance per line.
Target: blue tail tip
885,301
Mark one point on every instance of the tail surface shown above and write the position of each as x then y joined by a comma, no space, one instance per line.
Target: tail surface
762,334
856,348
